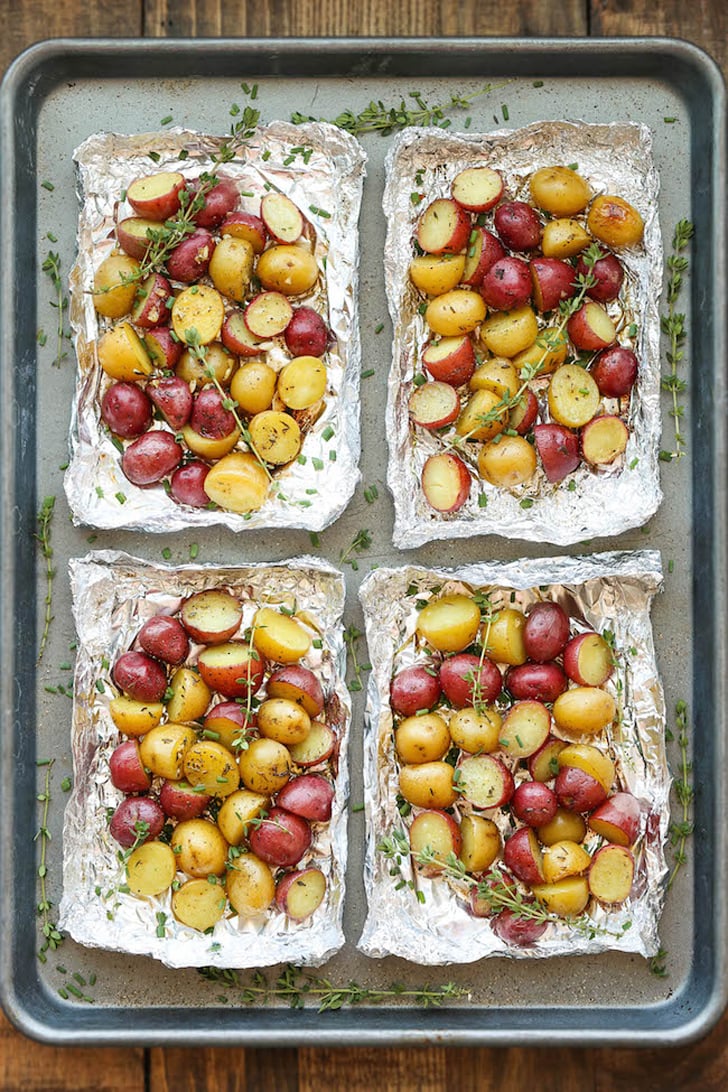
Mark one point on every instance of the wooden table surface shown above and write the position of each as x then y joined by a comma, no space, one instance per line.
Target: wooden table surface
26,1065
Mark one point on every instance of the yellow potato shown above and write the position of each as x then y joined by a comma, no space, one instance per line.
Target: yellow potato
115,284
265,766
428,785
122,355
289,269
422,738
498,375
150,869
434,274
250,885
207,448
564,238
135,718
505,637
483,417
560,191
238,483
573,396
197,315
302,382
507,461
217,360
279,637
584,709
614,221
199,904
283,720
163,749
591,760
507,333
199,848
565,826
211,767
456,312
253,386
190,695
476,730
276,436
547,352
237,812
481,842
231,267
449,623
564,859
567,898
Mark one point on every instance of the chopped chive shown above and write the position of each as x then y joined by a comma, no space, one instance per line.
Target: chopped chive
669,121
318,464
357,807
482,500
48,186
538,83
166,553
315,539
506,115
368,373
527,502
378,328
166,120
327,433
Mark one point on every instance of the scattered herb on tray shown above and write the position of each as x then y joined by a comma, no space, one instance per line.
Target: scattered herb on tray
295,987
362,540
52,937
674,326
43,534
52,267
351,636
681,829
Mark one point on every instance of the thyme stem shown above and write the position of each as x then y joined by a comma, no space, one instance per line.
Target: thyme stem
52,266
681,831
43,535
674,325
52,938
377,117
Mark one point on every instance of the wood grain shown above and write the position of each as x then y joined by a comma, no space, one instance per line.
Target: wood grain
704,22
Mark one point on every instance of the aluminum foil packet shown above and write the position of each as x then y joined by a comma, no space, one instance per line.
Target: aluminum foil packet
614,159
321,169
428,920
113,595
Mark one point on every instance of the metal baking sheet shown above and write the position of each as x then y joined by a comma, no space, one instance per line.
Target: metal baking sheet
53,97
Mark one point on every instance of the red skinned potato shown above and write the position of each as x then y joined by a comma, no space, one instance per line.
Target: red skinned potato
522,855
268,314
524,413
156,196
591,328
299,894
617,819
558,449
543,765
608,273
190,259
534,803
603,440
281,839
247,226
281,217
553,281
445,482
306,334
462,675
187,484
126,822
236,336
541,682
518,931
611,874
219,202
232,668
311,796
152,307
164,637
437,831
525,728
126,768
450,360
229,722
518,225
507,284
317,747
151,457
414,688
126,409
588,659
443,228
434,405
133,235
484,250
181,801
477,189
211,616
164,350
140,677
299,684
578,791
209,416
485,782
546,631
614,371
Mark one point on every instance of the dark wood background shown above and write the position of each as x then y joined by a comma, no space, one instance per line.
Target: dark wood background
29,1067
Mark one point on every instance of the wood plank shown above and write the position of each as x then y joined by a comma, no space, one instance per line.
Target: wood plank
273,1070
189,18
174,1069
28,1067
32,22
704,22
365,1068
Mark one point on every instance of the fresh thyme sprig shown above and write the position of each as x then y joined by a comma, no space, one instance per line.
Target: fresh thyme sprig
295,986
380,118
351,636
681,829
52,266
52,937
43,534
362,540
674,326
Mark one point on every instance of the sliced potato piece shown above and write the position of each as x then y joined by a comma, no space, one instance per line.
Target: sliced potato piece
197,315
238,482
276,436
150,869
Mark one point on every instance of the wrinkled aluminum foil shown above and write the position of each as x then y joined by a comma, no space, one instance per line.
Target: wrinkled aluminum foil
113,595
614,159
602,592
330,179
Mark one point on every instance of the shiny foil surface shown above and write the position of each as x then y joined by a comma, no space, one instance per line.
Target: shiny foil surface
611,591
113,595
614,159
326,186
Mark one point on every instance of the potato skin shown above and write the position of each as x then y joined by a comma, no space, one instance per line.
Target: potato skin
428,785
287,268
199,847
